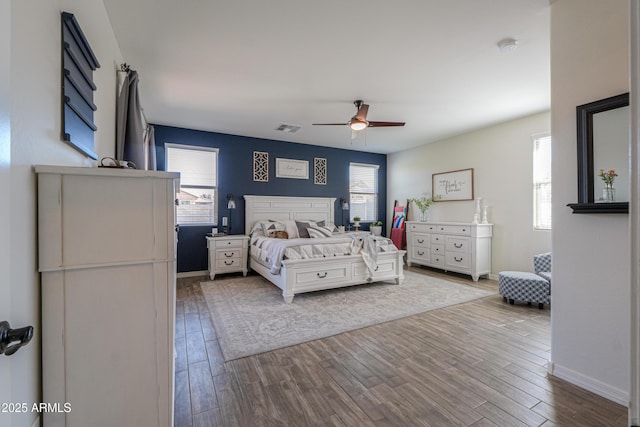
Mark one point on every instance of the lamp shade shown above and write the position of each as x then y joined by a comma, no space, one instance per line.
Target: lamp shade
231,203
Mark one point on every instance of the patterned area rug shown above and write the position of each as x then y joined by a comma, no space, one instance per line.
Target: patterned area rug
251,317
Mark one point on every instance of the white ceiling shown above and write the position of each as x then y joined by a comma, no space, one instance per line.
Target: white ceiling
246,66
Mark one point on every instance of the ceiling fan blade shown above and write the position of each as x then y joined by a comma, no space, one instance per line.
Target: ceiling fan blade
330,124
385,124
362,112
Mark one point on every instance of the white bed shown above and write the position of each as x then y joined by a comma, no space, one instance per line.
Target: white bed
305,275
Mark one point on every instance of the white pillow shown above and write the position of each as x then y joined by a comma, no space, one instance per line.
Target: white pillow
291,229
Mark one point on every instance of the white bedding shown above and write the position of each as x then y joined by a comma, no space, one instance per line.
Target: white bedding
271,252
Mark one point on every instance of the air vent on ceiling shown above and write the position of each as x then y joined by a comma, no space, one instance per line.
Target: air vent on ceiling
288,128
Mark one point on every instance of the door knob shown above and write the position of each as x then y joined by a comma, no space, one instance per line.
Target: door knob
12,339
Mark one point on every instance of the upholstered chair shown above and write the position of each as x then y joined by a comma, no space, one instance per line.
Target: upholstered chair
542,265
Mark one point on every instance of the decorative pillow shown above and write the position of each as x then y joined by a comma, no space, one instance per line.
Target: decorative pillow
302,228
257,230
291,228
318,232
330,226
271,225
279,234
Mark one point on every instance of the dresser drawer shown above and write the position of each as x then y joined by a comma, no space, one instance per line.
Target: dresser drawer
458,244
229,243
458,261
437,249
454,229
437,260
228,253
437,239
421,228
420,240
421,254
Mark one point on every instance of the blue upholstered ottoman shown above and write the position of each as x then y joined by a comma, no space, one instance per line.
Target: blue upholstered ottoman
524,286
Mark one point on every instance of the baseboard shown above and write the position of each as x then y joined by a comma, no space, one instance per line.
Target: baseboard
493,277
601,389
192,274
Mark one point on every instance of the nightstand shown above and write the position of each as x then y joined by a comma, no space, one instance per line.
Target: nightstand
227,254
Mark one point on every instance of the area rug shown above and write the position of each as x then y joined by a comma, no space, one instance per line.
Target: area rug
250,316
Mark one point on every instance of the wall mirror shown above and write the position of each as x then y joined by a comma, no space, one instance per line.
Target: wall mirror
603,143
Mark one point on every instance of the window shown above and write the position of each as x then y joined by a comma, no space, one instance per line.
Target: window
363,191
198,167
542,182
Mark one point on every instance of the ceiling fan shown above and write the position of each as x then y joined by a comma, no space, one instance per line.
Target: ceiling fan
359,121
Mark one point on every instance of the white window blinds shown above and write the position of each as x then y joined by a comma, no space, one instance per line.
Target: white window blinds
198,167
363,191
542,182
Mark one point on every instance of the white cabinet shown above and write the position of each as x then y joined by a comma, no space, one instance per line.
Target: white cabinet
106,241
460,247
227,254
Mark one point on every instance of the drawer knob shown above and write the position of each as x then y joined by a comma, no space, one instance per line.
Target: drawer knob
457,245
322,276
457,259
228,262
420,253
228,255
420,240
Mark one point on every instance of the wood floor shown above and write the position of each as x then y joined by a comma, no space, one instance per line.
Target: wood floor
481,363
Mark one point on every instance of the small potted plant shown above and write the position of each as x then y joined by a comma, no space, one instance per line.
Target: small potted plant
356,222
376,228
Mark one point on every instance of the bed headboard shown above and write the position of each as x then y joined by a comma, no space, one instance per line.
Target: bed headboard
283,207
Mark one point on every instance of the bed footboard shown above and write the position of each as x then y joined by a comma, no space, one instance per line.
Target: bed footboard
298,276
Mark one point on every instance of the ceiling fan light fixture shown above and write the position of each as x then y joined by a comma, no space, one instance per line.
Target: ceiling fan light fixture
357,124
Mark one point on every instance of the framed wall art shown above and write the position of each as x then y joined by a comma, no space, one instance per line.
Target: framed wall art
454,185
288,168
261,166
320,171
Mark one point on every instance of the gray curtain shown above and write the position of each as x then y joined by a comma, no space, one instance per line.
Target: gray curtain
134,139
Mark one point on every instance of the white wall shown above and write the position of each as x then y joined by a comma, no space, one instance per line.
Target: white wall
590,314
5,189
35,119
502,159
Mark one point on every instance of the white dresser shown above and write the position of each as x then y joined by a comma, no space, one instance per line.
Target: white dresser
228,254
451,246
106,241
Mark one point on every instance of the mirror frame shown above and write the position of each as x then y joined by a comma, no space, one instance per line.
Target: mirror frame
586,200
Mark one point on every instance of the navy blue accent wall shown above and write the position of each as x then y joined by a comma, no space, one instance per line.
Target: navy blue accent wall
235,176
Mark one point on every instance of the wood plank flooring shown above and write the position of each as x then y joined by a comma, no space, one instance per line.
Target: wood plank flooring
481,363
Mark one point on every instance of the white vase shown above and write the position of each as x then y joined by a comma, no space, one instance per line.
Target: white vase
423,216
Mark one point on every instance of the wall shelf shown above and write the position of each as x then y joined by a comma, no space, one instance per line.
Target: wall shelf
592,208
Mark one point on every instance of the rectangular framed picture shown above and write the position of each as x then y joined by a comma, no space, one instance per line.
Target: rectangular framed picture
454,185
288,168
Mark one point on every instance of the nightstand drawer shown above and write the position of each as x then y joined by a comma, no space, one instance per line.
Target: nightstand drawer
222,264
228,253
229,243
